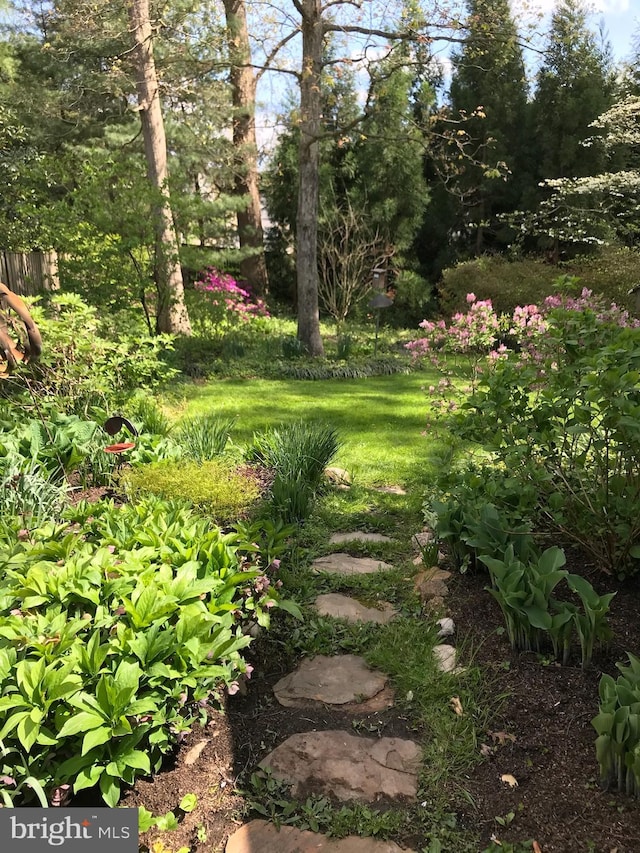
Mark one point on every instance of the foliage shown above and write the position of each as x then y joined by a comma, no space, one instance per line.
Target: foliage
575,85
80,369
55,445
204,437
219,303
618,727
118,628
489,91
611,271
564,415
215,487
30,495
298,454
524,588
353,369
603,206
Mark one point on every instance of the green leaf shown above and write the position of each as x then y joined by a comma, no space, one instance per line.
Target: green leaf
87,777
95,738
82,722
110,790
188,803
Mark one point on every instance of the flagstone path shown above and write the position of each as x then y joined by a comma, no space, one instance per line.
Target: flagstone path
340,764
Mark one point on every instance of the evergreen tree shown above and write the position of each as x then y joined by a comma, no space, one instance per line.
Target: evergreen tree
489,89
575,85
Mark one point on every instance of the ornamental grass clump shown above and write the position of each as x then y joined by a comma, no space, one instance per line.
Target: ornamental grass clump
204,437
618,727
298,454
214,487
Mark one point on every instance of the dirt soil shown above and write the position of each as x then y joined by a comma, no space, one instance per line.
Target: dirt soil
541,736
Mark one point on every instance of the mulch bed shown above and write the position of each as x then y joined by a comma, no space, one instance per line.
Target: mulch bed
540,735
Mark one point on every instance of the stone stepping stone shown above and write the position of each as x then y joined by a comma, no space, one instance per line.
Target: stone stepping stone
345,564
390,490
345,607
343,680
358,536
346,766
259,836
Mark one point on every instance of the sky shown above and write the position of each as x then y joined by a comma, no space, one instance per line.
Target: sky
621,19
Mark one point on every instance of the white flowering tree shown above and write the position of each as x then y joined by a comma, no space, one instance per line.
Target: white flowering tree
602,207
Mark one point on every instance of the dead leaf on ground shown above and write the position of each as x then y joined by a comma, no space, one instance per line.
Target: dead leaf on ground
502,737
456,705
509,780
538,849
487,751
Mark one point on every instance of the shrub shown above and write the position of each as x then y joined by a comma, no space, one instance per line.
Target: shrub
219,303
612,272
117,631
565,416
80,370
214,487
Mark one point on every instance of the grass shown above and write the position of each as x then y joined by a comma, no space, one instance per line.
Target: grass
382,426
380,421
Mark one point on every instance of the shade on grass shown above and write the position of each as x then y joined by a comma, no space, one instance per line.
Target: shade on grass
381,420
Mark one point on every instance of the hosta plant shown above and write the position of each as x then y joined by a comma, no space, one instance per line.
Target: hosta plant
533,616
117,629
618,727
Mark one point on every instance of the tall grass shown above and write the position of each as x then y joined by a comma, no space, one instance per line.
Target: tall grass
204,437
298,453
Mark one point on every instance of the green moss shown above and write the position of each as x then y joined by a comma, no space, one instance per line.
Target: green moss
214,487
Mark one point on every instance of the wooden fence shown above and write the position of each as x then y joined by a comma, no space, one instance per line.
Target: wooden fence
29,273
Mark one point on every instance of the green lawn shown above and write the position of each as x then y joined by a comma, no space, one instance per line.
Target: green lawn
381,420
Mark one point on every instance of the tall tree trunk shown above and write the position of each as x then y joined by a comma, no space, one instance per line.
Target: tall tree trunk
171,313
307,215
253,268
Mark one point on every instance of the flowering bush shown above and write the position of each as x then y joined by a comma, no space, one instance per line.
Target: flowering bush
559,410
222,303
474,332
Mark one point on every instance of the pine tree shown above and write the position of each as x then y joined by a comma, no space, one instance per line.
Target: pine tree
489,88
574,86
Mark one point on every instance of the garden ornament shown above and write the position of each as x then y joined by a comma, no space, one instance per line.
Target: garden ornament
112,426
19,338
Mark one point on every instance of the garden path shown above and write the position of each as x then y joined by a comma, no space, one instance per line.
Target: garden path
340,764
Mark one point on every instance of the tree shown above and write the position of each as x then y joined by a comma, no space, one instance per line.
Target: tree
172,313
369,176
489,89
575,85
243,85
604,207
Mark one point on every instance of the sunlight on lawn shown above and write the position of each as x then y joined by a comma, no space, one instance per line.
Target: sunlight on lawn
381,420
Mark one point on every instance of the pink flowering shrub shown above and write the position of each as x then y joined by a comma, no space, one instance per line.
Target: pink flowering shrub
474,332
222,303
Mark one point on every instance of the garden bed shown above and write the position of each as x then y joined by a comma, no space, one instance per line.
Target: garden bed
540,734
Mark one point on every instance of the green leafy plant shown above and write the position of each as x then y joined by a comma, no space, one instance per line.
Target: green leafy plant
117,628
214,487
564,418
618,727
524,590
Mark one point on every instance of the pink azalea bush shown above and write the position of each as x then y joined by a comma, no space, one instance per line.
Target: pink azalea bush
225,302
535,334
